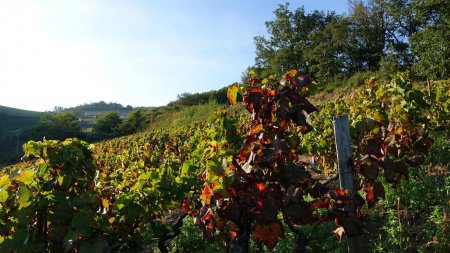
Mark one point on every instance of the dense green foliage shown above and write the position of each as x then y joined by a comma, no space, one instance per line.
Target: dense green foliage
189,99
48,204
115,199
108,123
58,126
135,122
385,36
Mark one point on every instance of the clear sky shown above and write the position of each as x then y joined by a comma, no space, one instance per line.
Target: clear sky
133,52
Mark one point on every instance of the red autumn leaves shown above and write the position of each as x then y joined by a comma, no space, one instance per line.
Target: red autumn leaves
269,179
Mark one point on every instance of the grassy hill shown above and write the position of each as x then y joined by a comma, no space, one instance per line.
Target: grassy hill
12,119
187,108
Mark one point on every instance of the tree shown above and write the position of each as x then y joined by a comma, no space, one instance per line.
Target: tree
417,33
134,122
366,37
327,56
290,39
57,126
58,109
391,35
430,44
108,123
324,44
432,53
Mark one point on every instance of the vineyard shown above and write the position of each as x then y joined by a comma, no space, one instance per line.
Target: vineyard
244,179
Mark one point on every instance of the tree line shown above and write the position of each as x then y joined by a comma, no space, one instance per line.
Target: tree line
64,125
94,106
385,36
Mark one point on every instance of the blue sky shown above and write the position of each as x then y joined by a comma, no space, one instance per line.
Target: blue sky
139,53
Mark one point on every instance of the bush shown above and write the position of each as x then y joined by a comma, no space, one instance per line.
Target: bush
359,78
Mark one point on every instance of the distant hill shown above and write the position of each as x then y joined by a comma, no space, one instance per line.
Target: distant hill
12,119
88,113
92,110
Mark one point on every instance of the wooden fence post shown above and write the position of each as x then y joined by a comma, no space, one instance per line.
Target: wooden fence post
346,172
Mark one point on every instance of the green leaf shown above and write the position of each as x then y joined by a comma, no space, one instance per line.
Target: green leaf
43,168
69,239
20,238
121,202
5,182
308,198
14,174
137,186
26,176
67,155
214,166
165,184
144,176
141,164
3,195
24,196
81,224
135,210
380,93
65,181
31,149
187,167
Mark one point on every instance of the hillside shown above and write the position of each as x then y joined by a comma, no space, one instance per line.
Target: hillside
136,183
12,119
188,108
95,109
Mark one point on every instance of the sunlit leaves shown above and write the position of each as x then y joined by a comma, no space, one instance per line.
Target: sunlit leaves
248,190
232,93
23,196
4,184
261,186
373,191
386,139
229,172
26,176
57,186
206,195
339,232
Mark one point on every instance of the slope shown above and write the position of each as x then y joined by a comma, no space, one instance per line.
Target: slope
12,119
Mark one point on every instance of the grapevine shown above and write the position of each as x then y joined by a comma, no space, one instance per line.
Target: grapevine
242,175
